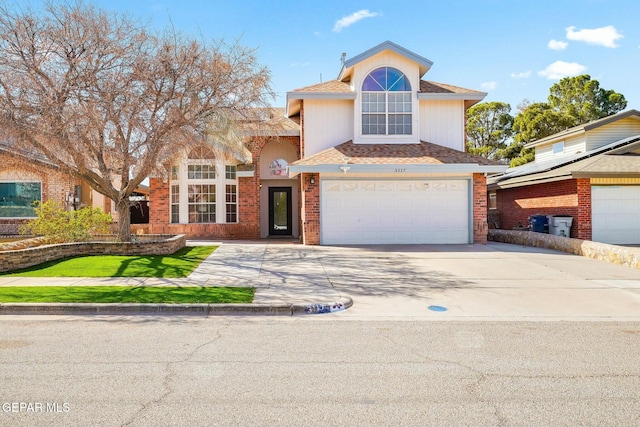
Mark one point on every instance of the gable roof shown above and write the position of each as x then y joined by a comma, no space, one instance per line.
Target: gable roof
422,62
378,158
594,124
340,88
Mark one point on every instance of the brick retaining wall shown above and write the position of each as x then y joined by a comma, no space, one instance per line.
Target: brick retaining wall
629,257
145,245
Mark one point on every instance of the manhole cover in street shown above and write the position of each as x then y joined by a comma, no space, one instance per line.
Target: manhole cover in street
437,308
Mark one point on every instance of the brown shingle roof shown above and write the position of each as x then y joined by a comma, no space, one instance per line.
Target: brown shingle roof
335,86
385,154
611,165
331,86
435,87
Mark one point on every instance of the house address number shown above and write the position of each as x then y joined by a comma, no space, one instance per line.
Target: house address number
400,170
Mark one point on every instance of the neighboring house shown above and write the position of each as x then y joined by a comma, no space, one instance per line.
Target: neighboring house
590,172
29,177
375,156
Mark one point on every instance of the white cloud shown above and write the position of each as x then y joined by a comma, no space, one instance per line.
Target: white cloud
349,20
603,36
560,69
300,64
489,85
557,45
522,75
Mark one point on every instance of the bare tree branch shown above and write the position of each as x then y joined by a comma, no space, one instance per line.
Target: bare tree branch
110,102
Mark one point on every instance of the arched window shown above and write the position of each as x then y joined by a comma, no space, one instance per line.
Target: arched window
386,103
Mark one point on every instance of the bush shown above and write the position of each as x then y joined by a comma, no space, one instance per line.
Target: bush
59,225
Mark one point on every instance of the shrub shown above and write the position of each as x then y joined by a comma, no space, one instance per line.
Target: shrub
59,225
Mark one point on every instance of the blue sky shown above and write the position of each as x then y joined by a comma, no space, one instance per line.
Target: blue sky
513,50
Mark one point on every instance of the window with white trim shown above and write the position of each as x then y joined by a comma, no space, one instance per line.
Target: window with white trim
201,172
203,191
558,148
232,202
386,103
175,203
202,203
230,172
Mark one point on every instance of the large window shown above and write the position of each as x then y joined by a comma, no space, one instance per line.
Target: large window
16,199
386,103
202,203
203,191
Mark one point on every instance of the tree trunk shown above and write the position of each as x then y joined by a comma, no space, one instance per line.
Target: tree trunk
124,220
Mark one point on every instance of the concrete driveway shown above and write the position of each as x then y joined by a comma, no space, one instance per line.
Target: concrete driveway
491,282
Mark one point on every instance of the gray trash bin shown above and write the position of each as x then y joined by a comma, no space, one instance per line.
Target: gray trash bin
560,225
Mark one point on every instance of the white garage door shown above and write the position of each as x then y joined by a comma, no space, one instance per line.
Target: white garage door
615,214
416,211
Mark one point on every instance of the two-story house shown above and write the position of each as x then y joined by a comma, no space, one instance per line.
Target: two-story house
374,156
589,172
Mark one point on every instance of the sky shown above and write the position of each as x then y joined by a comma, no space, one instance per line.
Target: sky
513,50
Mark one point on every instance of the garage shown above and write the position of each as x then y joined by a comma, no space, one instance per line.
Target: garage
395,211
615,214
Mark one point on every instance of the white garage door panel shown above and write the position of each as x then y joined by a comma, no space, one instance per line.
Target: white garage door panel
373,212
615,214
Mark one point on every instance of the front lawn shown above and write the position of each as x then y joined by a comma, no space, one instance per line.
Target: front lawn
127,294
177,265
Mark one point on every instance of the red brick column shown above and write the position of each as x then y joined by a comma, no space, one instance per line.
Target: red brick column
310,209
159,206
480,226
583,225
249,207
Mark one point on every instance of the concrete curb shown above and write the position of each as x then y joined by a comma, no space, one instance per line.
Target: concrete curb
177,309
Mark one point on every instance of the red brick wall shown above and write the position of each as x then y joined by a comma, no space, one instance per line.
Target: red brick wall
248,225
480,228
310,212
516,205
55,184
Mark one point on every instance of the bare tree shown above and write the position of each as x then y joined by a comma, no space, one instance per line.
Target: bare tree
111,102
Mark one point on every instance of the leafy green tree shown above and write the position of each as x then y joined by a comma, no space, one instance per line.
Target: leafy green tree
583,100
489,127
572,101
59,225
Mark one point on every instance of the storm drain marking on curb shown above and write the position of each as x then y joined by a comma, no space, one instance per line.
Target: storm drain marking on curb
437,308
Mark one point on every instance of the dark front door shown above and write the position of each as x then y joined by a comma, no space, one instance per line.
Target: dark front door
280,211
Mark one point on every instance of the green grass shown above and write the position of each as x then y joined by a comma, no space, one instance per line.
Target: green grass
177,265
127,294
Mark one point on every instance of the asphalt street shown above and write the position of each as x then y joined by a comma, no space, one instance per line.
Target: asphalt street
316,371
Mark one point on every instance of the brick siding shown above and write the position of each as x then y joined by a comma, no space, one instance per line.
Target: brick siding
570,197
55,184
310,212
480,227
248,225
